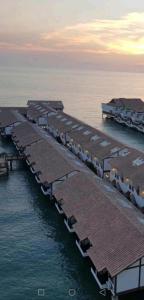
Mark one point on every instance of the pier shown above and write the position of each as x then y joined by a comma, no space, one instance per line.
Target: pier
84,173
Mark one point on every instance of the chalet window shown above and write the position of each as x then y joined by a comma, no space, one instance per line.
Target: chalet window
85,244
87,132
80,128
75,126
64,119
69,123
105,143
71,221
116,149
138,190
95,138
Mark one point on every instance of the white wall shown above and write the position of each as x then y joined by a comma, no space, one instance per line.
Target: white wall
128,280
107,108
42,121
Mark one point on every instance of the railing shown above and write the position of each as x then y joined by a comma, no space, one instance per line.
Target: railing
10,157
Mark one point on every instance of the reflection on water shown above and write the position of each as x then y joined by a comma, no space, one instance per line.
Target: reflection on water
124,134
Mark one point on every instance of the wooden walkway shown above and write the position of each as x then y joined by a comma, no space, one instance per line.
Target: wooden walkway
12,157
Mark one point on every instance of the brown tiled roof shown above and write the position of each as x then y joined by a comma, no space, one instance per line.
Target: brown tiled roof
49,161
128,167
116,233
86,141
20,109
128,103
25,134
9,117
35,111
58,105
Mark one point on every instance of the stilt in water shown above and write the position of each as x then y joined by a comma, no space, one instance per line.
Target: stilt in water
11,165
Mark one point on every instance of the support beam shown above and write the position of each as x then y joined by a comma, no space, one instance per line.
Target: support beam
11,165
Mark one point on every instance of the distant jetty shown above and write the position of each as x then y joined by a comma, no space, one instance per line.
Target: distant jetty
96,184
128,112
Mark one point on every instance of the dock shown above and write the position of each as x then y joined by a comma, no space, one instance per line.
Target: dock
95,184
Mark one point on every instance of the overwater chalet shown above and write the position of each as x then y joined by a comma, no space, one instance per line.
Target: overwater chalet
56,105
50,168
89,144
38,113
107,227
93,147
24,135
9,118
47,160
127,174
129,112
98,151
108,230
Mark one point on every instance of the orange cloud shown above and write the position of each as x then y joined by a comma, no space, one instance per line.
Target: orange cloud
124,36
121,36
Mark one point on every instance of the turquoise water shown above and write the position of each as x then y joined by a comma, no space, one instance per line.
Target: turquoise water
36,251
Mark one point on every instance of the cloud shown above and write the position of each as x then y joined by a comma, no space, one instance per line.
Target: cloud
121,36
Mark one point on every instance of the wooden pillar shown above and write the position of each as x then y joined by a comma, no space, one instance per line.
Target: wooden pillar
7,168
11,165
51,191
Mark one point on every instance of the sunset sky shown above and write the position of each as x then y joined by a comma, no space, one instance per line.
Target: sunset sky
102,34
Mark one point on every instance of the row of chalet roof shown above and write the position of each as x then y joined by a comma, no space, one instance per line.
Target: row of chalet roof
114,227
131,167
57,105
128,162
96,145
95,142
133,104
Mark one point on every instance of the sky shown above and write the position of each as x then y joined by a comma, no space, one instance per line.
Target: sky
91,34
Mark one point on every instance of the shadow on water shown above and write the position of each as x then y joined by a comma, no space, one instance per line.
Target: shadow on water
124,134
6,145
134,296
